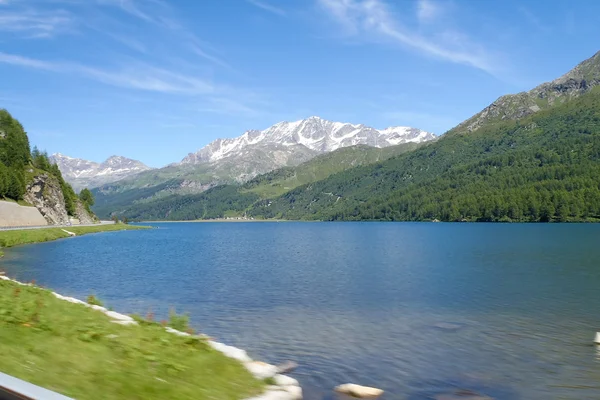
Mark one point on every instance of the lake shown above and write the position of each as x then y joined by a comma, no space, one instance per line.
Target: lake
508,311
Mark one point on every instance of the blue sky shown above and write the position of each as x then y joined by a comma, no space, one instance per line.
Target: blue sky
157,79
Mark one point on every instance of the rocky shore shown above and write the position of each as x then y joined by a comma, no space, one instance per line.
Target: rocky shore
281,387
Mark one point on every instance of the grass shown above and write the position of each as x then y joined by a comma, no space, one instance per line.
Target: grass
77,351
12,238
94,301
179,322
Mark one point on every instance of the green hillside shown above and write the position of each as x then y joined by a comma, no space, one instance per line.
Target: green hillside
19,165
282,180
14,157
231,200
543,167
577,82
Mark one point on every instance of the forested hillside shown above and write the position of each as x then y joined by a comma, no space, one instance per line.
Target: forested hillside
19,165
14,156
544,167
232,200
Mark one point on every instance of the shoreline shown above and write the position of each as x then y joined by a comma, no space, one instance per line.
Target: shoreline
17,237
276,385
218,220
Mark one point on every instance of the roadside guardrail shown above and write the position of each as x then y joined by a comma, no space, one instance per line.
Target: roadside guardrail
12,388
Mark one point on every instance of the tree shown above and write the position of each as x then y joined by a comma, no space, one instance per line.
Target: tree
86,197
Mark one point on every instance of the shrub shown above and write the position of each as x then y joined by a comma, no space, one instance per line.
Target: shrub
93,300
179,322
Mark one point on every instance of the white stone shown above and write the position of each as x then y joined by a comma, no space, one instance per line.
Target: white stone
597,338
98,308
176,332
284,380
124,322
261,370
118,316
294,391
73,300
274,395
230,351
362,392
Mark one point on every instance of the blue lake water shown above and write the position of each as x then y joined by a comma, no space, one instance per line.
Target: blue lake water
419,309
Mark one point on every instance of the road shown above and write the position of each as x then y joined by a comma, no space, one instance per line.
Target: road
14,228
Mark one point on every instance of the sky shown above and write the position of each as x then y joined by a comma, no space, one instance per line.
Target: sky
155,80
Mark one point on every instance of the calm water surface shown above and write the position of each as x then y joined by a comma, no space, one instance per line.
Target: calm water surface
503,310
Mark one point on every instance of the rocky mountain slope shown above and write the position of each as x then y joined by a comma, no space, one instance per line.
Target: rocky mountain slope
313,134
238,160
580,80
83,173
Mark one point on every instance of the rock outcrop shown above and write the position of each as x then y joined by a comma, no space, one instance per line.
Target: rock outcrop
580,80
45,194
83,215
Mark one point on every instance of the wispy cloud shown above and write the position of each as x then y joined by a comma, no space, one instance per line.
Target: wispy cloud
228,106
131,7
21,61
136,76
533,20
428,11
374,19
267,7
36,23
128,41
158,53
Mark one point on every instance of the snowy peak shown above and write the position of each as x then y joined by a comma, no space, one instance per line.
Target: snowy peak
83,173
313,133
121,165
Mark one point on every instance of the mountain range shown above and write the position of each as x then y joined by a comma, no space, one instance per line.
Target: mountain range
88,174
234,160
308,137
532,156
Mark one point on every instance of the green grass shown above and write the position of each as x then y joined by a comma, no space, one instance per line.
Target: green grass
78,352
26,236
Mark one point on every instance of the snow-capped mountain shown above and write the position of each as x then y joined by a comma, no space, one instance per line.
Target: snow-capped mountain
83,173
311,136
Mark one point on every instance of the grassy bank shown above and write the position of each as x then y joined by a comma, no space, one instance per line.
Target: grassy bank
27,236
77,351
